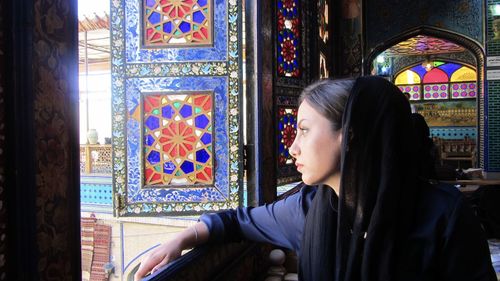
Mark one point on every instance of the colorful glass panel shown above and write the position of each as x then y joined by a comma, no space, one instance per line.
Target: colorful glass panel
289,38
420,70
464,74
413,90
287,126
435,91
463,90
178,139
449,68
407,77
435,75
177,22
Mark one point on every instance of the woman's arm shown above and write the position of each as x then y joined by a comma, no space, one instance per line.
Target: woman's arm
167,252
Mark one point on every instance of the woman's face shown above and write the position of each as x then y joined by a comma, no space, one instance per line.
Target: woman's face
316,147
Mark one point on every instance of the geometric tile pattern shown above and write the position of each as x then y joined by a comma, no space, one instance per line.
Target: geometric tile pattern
178,139
289,38
140,71
171,23
287,126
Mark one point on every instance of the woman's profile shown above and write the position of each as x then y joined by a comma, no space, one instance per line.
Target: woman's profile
365,212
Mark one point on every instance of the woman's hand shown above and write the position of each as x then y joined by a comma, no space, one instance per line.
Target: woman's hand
167,252
159,257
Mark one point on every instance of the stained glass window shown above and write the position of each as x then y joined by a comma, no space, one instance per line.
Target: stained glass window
177,22
463,90
288,43
407,77
413,90
287,125
447,80
178,139
435,75
435,91
463,74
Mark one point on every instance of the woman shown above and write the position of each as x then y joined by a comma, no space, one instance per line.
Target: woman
363,214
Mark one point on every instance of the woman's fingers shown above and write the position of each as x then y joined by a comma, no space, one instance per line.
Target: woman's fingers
162,263
147,265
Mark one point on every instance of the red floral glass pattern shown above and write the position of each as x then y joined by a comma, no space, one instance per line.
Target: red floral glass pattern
177,22
289,37
178,139
287,125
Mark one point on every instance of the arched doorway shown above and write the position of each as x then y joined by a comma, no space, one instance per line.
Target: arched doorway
435,66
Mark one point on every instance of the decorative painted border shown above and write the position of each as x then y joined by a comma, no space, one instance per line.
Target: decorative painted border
136,52
122,71
177,69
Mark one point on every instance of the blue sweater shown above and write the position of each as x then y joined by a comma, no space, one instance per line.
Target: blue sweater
447,241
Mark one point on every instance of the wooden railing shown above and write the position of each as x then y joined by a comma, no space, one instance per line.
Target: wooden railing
96,159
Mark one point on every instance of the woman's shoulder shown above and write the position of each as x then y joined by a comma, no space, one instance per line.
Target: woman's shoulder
439,198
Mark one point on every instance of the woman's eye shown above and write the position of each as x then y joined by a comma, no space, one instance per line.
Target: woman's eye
303,130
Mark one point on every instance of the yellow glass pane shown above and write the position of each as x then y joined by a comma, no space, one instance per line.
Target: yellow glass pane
407,77
464,73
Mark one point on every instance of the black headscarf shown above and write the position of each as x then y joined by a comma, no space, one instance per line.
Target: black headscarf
425,148
362,241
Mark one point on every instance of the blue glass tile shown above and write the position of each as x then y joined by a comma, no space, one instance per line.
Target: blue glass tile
281,126
185,27
152,122
154,18
187,167
149,140
186,111
201,121
419,70
154,157
150,3
167,112
206,138
167,27
449,68
202,2
168,167
198,17
202,156
281,148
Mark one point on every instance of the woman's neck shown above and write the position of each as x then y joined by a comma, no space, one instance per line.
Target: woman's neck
334,183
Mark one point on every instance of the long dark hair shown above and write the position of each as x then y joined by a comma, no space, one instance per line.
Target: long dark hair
328,97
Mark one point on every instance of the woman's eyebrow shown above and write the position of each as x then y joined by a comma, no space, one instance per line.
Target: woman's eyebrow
301,121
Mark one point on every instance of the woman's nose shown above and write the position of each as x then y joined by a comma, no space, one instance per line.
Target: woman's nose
294,149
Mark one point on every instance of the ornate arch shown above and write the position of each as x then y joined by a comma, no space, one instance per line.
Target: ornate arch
469,44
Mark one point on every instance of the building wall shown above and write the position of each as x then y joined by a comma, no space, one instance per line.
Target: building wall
492,97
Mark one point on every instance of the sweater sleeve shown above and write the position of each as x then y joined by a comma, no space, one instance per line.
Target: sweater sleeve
280,223
465,255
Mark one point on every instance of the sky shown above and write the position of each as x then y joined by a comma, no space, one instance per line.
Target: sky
89,7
